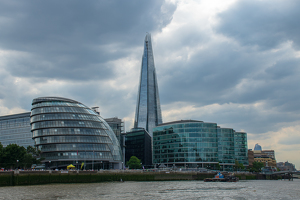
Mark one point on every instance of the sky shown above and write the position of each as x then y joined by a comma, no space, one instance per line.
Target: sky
232,62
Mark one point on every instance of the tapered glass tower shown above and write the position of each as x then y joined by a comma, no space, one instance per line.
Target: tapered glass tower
148,112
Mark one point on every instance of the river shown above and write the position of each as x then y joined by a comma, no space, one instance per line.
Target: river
254,189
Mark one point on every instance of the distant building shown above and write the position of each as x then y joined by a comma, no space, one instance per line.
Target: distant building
286,166
148,111
138,143
257,147
68,132
267,157
193,144
270,153
16,129
250,158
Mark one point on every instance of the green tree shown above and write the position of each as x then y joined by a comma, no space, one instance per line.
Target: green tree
28,161
236,165
13,156
218,167
32,150
35,154
257,166
241,166
134,163
1,154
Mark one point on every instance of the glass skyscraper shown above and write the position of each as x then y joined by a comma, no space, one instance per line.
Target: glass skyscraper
148,112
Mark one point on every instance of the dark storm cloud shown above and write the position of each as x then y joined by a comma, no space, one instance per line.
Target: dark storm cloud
265,24
76,39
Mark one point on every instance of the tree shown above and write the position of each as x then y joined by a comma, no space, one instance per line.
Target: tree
236,165
257,166
241,166
1,154
36,155
13,156
218,166
134,163
31,150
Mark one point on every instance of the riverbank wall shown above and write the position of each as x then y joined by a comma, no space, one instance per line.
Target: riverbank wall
18,178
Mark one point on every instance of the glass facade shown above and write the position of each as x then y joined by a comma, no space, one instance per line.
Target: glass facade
241,147
187,143
68,132
138,143
192,144
15,129
226,148
117,125
148,111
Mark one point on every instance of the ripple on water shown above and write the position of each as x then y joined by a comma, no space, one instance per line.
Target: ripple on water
157,190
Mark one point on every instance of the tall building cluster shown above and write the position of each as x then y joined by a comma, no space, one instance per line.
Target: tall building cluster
68,132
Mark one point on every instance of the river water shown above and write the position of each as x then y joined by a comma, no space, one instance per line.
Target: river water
254,189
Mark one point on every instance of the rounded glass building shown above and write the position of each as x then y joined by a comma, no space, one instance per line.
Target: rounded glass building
68,132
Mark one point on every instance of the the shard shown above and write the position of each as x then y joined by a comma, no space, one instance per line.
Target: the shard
148,112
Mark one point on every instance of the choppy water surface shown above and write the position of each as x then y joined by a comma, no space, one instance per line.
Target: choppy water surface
262,189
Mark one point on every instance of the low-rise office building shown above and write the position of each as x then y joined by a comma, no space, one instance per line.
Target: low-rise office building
138,143
16,129
193,144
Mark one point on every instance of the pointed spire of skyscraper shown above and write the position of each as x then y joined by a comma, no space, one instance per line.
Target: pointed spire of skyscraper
148,112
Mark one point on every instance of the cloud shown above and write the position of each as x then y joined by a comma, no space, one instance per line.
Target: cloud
265,24
76,40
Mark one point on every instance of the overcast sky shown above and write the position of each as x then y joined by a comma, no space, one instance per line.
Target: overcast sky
235,63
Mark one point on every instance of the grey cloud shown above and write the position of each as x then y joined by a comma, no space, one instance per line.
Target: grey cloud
75,39
265,24
226,73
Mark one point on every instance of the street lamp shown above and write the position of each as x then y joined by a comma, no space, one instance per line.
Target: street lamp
122,166
17,163
50,164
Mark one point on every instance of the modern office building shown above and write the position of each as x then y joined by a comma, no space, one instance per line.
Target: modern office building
16,129
138,143
267,157
226,147
117,125
240,148
193,144
185,143
68,132
148,111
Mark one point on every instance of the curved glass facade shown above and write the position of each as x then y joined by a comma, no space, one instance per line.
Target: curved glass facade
185,143
68,132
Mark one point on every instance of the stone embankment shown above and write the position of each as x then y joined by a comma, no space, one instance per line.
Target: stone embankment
14,178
